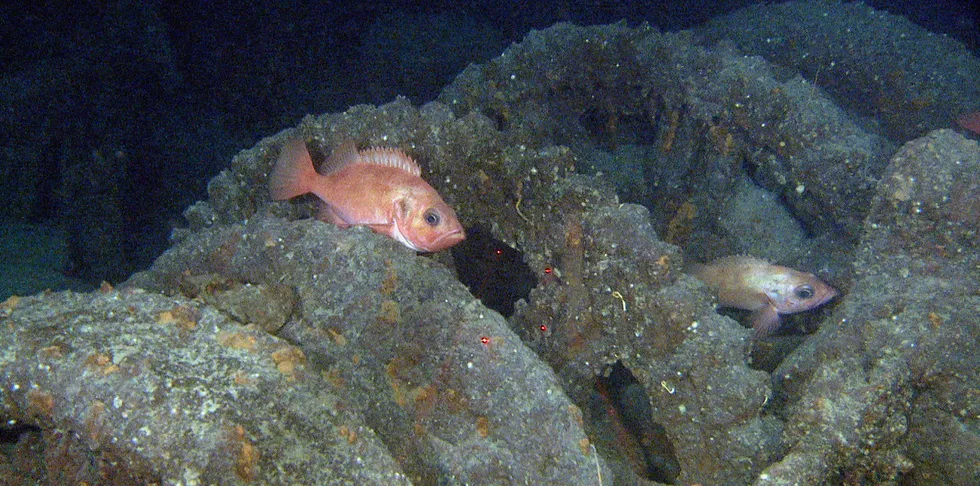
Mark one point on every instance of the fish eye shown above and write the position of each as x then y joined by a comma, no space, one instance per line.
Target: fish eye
432,217
804,292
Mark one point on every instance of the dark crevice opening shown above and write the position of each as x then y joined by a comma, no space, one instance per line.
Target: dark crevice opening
494,272
623,407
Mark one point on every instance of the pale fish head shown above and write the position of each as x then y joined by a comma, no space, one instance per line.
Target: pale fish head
800,291
424,222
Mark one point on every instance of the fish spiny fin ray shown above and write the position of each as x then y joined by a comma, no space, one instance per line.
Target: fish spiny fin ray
347,154
390,157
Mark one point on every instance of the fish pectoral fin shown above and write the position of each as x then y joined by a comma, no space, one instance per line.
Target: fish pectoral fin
765,321
380,227
328,214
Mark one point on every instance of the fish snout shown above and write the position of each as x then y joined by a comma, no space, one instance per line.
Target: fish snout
454,237
446,240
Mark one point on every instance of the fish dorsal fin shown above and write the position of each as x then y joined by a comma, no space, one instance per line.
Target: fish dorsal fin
390,157
347,154
739,259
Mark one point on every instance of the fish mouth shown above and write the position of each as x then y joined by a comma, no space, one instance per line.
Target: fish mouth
444,241
451,238
830,295
457,233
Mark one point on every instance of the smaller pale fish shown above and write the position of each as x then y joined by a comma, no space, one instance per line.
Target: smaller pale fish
380,188
768,290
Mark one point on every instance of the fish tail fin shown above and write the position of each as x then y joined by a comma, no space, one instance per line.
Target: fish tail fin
293,174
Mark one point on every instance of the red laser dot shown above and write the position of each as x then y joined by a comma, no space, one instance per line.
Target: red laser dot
485,340
543,328
547,270
499,252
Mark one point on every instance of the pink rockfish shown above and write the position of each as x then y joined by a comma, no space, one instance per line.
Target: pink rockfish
380,188
748,283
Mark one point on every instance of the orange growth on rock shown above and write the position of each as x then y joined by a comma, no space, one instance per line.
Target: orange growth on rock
674,121
247,457
40,403
53,352
585,445
182,316
236,340
348,433
242,379
102,362
288,359
334,377
970,121
10,303
390,283
390,313
483,426
95,422
681,226
336,336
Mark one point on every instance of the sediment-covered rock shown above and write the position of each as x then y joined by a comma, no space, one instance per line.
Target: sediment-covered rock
886,388
133,387
876,64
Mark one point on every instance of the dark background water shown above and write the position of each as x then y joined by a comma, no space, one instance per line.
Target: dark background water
117,114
